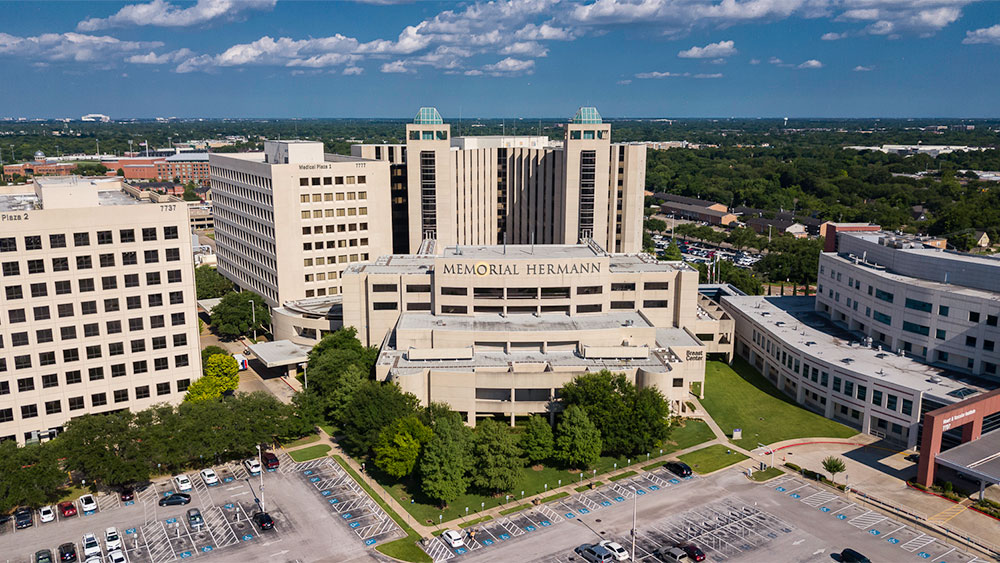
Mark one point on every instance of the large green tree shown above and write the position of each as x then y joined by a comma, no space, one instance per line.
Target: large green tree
447,461
209,351
106,448
536,440
31,475
673,252
374,406
398,445
497,456
235,315
338,365
578,441
210,284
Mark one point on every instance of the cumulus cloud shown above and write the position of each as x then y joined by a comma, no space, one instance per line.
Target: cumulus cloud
755,61
164,14
71,47
395,67
861,68
510,66
990,35
710,51
525,49
151,58
712,75
833,36
811,63
624,82
353,70
657,74
775,61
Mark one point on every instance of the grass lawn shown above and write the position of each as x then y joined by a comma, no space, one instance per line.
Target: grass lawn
625,475
739,397
474,522
302,441
426,510
712,458
312,452
691,433
72,493
769,473
330,430
593,485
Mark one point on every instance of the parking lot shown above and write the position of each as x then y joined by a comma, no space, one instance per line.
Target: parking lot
157,534
494,534
850,518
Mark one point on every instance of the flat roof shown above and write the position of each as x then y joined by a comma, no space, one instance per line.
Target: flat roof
30,201
703,210
979,458
795,321
667,337
400,365
494,322
523,251
188,156
881,272
280,353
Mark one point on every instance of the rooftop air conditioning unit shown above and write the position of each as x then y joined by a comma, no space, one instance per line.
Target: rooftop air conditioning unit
935,379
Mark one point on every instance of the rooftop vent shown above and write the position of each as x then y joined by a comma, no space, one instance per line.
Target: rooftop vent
935,379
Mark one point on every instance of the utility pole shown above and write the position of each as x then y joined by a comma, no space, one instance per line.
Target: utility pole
635,501
260,460
253,312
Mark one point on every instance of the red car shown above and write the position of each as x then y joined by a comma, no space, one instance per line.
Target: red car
67,509
693,552
270,460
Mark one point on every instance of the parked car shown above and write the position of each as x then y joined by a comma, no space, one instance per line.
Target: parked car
87,503
453,538
90,545
252,466
43,556
23,518
851,556
209,476
270,460
112,539
46,514
117,556
67,552
194,518
616,549
595,553
693,552
175,499
67,509
263,520
127,494
93,559
671,555
678,468
182,483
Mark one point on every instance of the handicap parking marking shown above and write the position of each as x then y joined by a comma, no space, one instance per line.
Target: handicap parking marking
370,541
206,549
128,502
841,517
640,492
505,536
674,481
185,554
654,487
313,479
824,509
545,523
893,541
619,499
924,555
171,520
227,479
689,477
570,515
487,541
874,532
346,516
795,495
529,528
460,550
130,531
228,505
334,501
355,524
326,493
780,489
247,537
584,511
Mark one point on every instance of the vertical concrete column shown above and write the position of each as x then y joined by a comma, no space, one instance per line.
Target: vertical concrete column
930,446
830,408
972,430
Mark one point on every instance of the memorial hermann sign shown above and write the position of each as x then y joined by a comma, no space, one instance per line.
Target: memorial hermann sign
515,269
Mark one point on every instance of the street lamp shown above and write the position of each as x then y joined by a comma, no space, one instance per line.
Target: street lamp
635,501
253,312
305,373
260,460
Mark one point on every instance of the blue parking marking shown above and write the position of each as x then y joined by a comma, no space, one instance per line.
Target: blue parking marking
688,478
228,505
924,555
89,512
326,493
313,479
355,524
892,540
346,516
334,500
654,487
674,481
529,528
841,517
216,484
570,515
128,502
874,532
545,523
247,537
605,503
780,489
130,531
619,499
640,492
171,520
460,550
370,541
185,554
271,470
584,511
167,493
227,479
206,549
824,509
307,472
487,542
796,495
505,536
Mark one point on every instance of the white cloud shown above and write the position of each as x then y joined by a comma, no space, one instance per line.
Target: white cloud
775,61
164,14
510,66
985,35
861,68
755,61
525,49
811,63
712,75
833,36
353,70
71,47
710,51
473,72
624,82
881,27
860,14
395,67
151,58
657,74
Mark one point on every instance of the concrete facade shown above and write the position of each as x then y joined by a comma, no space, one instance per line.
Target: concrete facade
98,310
290,219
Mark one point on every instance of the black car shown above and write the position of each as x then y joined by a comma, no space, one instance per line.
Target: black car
679,468
851,556
127,494
43,556
263,520
175,499
23,518
67,552
270,460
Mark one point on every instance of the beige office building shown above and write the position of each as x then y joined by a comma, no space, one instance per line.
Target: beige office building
290,219
514,189
98,304
497,330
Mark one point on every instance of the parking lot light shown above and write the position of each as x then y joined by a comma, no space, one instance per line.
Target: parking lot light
482,506
581,477
560,482
546,487
466,511
522,495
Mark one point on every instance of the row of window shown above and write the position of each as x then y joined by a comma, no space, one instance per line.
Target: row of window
70,355
341,228
96,373
111,305
331,180
66,333
96,400
86,262
331,196
88,285
338,212
525,292
34,242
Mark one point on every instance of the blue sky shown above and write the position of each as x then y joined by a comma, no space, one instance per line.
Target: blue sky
516,58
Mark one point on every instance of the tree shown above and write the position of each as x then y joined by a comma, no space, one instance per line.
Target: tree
107,448
210,284
206,389
338,365
673,252
741,238
374,406
31,475
189,193
833,465
399,444
209,351
655,225
498,461
120,172
234,315
536,441
446,461
578,444
224,367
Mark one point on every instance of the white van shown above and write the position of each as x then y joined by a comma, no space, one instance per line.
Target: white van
241,361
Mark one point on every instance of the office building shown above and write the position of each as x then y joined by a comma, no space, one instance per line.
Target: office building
694,209
290,219
514,189
98,308
497,330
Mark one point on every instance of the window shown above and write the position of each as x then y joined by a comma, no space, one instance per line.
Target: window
116,348
655,303
162,389
918,305
86,285
159,342
152,278
95,374
121,395
941,334
836,384
623,287
862,393
98,399
907,407
384,306
67,333
81,239
384,287
104,237
988,345
126,235
177,319
590,290
142,392
107,260
46,358
882,317
129,259
65,310
16,315
170,233
60,264
148,234
139,367
33,242
176,297
111,305
156,321
454,291
36,266
88,307
50,380
160,364
131,280
418,288
151,256
595,308
43,335
91,329
71,355
876,397
172,254
135,324
173,276
915,328
651,286
39,290
883,295
41,313
84,263
991,320
943,310
155,299
11,269
14,292
25,384
891,402
93,352
57,241
118,370
180,360
849,388
973,316
970,341
8,244
183,384
453,309
75,403
29,411
63,287
73,377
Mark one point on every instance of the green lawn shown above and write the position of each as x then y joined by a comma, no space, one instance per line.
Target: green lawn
625,475
302,441
743,398
712,458
691,433
312,452
769,473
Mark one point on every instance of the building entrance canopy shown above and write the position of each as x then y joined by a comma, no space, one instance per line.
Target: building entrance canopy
280,353
979,459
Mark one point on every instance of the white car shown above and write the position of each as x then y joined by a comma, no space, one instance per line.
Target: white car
112,539
209,476
616,549
183,483
46,514
91,546
93,559
252,465
87,503
453,538
117,556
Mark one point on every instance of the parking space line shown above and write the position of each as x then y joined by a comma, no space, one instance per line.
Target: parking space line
917,542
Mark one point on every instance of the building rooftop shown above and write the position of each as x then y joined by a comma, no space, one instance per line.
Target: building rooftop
919,282
107,191
587,115
701,208
188,157
428,116
523,251
794,321
494,322
979,458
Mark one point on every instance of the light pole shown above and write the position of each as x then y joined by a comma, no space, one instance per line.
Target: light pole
253,312
260,460
635,503
305,373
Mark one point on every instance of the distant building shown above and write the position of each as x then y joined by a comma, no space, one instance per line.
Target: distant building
40,166
774,227
981,239
96,117
682,207
185,167
830,229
